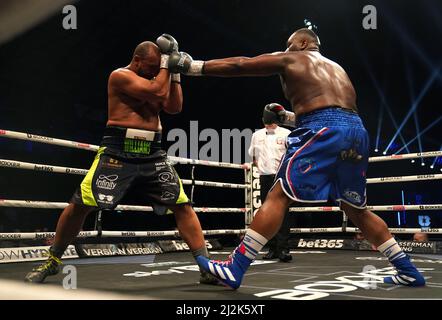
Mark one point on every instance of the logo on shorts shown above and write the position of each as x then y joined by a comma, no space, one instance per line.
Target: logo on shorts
353,195
351,155
165,176
160,165
107,182
113,163
166,195
307,187
105,198
305,165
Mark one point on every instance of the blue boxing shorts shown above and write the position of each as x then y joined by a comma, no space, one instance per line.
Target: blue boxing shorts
327,158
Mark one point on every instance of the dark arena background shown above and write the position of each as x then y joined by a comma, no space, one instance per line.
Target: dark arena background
53,83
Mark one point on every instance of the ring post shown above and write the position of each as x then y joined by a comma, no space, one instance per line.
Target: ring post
344,221
98,223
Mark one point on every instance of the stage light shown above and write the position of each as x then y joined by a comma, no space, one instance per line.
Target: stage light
413,161
432,167
436,159
398,26
378,131
423,164
415,105
431,125
384,102
376,150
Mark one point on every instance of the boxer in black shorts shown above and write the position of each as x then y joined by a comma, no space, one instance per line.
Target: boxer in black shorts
130,159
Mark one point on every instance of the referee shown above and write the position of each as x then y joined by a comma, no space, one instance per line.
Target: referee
266,149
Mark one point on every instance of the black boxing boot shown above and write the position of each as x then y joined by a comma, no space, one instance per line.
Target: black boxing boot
270,255
49,268
285,256
273,253
207,278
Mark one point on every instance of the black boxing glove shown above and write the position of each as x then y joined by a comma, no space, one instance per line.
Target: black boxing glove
275,113
182,62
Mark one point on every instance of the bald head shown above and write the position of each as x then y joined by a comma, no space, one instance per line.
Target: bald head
303,39
420,237
146,59
146,49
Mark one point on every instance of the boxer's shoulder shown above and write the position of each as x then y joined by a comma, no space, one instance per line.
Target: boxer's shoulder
120,75
121,72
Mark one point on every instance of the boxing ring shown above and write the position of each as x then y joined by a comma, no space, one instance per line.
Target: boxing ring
315,266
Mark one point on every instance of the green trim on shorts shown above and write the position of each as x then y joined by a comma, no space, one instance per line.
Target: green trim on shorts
87,196
182,198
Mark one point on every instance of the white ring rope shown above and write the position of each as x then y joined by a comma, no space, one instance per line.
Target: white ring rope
356,230
216,184
428,154
404,178
403,230
175,233
62,205
85,146
55,169
41,235
397,207
90,147
109,234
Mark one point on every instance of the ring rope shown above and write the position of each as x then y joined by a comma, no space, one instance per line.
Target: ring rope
398,207
404,178
90,147
85,146
404,230
110,234
79,145
428,154
62,205
88,234
56,169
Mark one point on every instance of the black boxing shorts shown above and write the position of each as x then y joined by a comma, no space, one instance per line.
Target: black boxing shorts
131,161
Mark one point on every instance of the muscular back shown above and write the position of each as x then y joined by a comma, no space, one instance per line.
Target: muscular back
311,81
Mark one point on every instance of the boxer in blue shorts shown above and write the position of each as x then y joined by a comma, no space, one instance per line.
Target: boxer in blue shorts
327,152
327,157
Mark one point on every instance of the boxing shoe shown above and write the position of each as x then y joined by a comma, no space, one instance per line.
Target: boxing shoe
49,268
270,255
407,274
207,278
229,272
285,256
